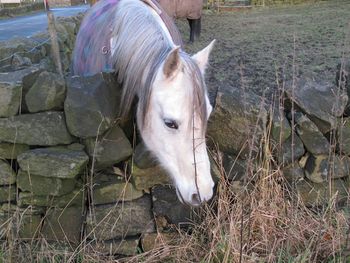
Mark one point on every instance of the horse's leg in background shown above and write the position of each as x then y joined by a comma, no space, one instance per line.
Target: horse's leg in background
195,29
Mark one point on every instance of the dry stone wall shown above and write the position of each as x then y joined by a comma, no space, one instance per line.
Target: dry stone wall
70,172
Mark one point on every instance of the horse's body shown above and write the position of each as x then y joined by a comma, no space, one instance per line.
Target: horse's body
190,9
138,42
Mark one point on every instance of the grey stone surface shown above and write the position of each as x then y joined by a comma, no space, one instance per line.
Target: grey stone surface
167,205
237,118
47,93
280,129
144,179
235,168
7,174
11,150
111,188
91,105
322,168
313,194
16,45
322,102
10,98
63,224
26,77
69,24
293,172
29,224
41,185
111,148
152,241
314,141
8,193
57,162
143,158
291,150
44,129
19,62
343,134
106,222
343,80
126,247
74,198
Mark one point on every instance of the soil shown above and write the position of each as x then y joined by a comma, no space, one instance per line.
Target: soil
260,49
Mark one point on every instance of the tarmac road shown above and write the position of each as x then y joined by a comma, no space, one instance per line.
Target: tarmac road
26,26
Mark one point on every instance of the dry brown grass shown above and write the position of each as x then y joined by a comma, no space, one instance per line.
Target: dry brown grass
263,222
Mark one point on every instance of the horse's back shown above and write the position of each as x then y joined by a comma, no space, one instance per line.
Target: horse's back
183,8
92,47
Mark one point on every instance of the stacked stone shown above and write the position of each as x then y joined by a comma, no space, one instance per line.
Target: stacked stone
309,136
63,155
41,165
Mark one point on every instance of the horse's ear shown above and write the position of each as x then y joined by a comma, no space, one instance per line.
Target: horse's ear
172,63
202,56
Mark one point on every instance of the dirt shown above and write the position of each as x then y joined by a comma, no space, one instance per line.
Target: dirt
259,50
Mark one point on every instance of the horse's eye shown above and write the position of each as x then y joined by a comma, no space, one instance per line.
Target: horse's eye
171,124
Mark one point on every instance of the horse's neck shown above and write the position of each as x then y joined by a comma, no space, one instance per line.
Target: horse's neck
159,20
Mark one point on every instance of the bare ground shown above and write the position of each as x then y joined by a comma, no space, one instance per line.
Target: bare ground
258,45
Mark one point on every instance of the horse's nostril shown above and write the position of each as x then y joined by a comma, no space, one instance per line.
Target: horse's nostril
196,199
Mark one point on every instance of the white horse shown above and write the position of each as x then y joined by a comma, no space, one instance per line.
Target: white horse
136,39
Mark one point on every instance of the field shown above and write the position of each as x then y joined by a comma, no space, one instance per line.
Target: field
264,43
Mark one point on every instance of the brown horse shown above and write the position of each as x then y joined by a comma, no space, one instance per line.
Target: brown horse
190,9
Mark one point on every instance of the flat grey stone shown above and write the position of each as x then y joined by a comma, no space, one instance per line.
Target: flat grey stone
91,105
280,129
315,142
63,224
8,193
44,129
7,174
291,150
56,162
110,148
343,136
143,158
322,102
127,247
12,150
41,185
322,168
74,198
111,188
106,222
237,117
10,98
321,194
47,93
167,205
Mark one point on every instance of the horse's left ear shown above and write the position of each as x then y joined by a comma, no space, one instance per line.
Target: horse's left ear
172,63
202,56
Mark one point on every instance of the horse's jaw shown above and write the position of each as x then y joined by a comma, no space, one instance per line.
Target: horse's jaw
189,169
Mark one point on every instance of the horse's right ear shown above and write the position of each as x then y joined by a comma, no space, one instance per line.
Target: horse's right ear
172,63
202,56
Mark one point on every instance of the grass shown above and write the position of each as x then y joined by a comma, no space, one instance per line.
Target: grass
262,40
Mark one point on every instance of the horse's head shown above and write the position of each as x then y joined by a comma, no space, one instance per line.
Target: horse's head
175,123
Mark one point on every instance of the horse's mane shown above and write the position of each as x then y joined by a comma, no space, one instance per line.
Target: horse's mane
138,47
